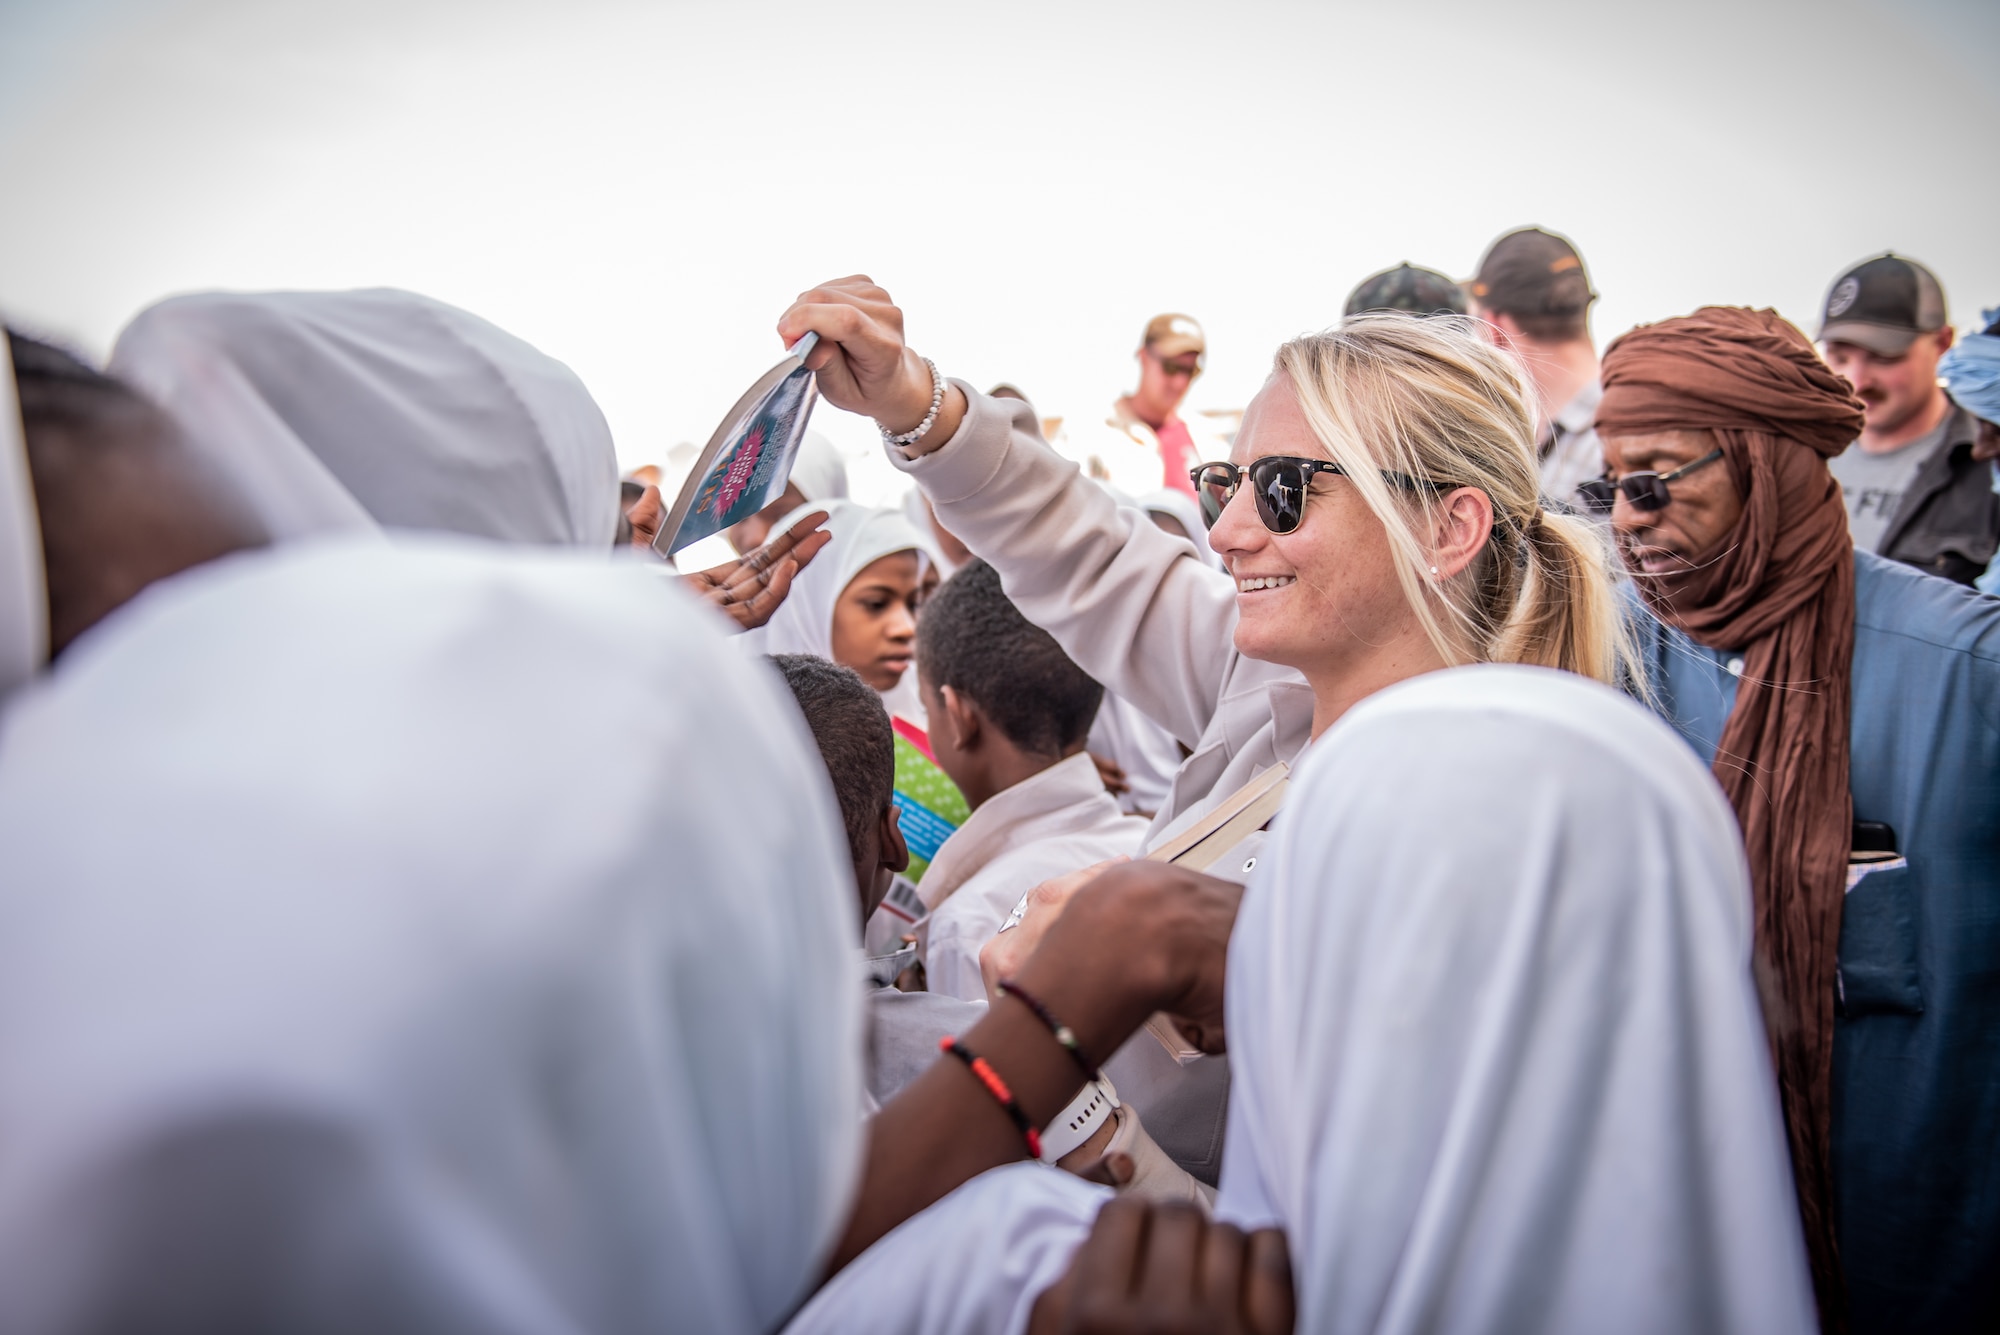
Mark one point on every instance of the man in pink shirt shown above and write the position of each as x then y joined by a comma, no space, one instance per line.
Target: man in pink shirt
1144,444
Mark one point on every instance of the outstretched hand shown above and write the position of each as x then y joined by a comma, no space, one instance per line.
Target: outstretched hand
750,588
1165,1266
862,362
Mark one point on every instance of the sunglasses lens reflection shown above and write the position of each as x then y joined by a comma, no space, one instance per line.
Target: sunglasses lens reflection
1280,494
1214,489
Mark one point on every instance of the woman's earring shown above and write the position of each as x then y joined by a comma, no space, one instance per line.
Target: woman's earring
1434,570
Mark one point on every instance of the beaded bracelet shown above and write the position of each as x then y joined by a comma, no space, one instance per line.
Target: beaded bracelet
930,418
987,1076
1061,1032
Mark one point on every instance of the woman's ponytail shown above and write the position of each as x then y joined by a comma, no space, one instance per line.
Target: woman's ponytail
1566,613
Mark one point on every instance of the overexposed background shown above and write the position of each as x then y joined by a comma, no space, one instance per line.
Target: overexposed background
640,189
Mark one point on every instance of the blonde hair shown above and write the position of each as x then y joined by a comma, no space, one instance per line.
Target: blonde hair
1427,398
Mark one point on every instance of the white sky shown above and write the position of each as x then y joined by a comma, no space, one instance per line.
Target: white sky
640,189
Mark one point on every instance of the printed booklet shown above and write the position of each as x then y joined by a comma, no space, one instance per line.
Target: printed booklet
746,463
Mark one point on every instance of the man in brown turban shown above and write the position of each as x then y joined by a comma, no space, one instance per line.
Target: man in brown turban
1846,703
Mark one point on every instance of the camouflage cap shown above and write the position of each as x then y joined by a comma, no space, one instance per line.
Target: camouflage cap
1407,288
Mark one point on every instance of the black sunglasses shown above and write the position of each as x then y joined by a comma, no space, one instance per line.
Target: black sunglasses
1644,491
1278,483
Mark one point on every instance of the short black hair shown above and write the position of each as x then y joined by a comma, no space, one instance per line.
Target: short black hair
855,740
974,640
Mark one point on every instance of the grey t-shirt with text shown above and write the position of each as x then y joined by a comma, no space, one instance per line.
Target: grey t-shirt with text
1873,484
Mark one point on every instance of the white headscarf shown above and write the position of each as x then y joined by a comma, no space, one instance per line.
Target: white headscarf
819,472
1497,1053
24,598
341,410
410,969
803,623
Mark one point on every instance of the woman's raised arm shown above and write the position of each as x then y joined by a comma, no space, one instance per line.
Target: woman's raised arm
1131,604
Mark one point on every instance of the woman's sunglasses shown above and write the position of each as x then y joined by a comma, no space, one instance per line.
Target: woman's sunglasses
1643,491
1278,483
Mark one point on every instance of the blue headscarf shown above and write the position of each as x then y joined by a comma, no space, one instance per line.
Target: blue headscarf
1971,370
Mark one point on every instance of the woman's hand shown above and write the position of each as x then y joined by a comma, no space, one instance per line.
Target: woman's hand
753,586
863,364
1166,1267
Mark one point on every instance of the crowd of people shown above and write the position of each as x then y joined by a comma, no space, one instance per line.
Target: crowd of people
427,910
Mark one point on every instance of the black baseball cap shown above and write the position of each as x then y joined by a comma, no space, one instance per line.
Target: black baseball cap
1532,272
1409,289
1883,304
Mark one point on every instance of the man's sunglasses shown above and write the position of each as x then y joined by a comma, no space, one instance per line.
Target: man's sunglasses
1278,483
1643,491
1189,366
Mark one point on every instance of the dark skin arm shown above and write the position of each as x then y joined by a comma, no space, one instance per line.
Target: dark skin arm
1172,929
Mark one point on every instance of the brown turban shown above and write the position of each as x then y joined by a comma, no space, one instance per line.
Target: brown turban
1780,591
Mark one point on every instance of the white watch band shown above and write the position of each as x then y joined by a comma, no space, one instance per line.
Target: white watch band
1077,1123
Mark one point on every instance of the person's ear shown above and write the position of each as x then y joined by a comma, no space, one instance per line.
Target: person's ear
895,849
1461,524
963,718
1945,338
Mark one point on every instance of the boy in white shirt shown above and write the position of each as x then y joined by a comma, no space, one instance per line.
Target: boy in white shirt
1008,714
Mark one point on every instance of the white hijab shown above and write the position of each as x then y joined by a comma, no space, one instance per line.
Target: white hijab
373,957
803,623
343,410
819,472
1498,1058
24,600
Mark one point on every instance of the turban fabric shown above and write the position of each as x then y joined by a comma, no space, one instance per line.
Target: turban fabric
1781,591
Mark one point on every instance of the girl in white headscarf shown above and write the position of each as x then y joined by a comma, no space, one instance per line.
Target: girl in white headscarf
403,974
343,410
856,604
1498,1058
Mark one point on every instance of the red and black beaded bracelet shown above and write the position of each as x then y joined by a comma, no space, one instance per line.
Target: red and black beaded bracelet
987,1076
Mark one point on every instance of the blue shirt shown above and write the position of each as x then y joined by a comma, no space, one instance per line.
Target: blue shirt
1916,1050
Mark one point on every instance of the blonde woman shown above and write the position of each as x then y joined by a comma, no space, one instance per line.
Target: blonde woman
1379,517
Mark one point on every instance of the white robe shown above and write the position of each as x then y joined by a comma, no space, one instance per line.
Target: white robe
344,410
1498,1059
418,936
1046,826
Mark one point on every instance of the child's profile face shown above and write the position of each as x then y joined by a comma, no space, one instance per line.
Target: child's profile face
875,619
